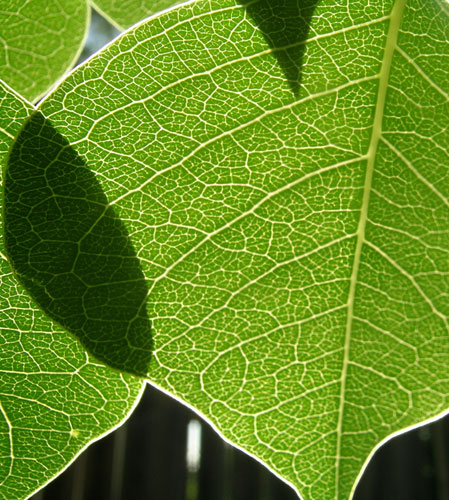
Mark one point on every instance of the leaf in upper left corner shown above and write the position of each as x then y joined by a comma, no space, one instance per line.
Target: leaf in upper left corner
125,13
41,41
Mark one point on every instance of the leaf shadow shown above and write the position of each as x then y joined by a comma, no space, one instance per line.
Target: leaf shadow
285,25
71,251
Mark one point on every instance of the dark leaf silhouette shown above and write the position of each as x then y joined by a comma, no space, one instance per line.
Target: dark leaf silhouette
70,250
285,26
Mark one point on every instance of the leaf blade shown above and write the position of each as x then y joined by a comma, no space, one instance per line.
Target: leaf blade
71,252
126,13
55,399
249,202
41,42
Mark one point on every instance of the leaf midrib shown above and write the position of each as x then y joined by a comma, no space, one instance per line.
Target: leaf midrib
384,75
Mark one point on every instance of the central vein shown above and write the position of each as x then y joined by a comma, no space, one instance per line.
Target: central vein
391,40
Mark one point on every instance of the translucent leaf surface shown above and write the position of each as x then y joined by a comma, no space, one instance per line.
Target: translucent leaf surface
54,398
40,41
69,248
290,209
125,13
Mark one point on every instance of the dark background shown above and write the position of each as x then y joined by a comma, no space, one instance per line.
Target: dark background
145,458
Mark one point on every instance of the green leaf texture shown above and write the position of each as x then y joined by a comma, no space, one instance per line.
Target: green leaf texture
125,13
67,246
41,40
286,193
54,398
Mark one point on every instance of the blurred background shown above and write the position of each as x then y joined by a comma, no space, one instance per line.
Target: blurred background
165,452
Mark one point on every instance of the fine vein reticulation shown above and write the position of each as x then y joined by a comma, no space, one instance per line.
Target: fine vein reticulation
292,234
384,77
40,42
54,398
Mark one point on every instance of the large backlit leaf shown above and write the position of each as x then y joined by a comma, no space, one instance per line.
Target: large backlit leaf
285,189
40,41
54,398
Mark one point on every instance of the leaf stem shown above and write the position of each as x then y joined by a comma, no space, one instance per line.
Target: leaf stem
384,75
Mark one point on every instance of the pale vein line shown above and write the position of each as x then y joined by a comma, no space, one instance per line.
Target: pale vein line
386,295
298,397
266,334
391,42
37,402
418,174
37,429
208,72
319,439
419,239
385,377
422,73
277,266
248,212
4,131
412,280
37,373
389,334
242,126
11,449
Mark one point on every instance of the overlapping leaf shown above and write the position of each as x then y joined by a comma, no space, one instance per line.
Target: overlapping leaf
290,212
54,398
41,40
68,247
125,13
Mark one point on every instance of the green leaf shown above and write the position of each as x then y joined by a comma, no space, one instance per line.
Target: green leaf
125,13
290,217
54,398
69,249
41,40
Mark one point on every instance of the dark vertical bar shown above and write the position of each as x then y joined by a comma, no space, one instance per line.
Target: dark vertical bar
368,484
400,470
212,473
440,443
245,484
156,447
228,470
265,485
277,489
118,463
98,469
79,477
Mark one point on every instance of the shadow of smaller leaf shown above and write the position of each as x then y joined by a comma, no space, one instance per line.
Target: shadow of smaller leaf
285,25
70,250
